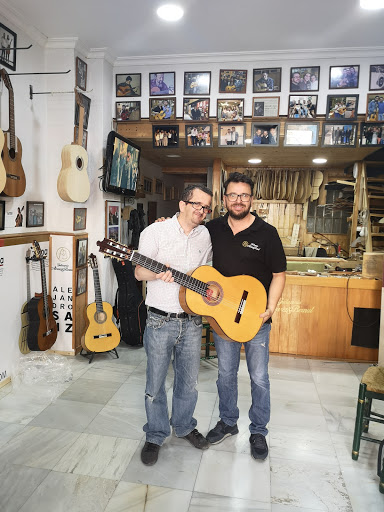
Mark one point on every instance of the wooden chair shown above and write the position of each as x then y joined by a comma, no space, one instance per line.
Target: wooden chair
208,343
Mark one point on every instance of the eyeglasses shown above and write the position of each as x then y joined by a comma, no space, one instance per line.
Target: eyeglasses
199,206
233,197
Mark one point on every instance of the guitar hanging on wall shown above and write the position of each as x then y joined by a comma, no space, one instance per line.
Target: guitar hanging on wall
11,154
23,345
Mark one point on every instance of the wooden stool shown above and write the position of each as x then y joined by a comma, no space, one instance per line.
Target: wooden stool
208,343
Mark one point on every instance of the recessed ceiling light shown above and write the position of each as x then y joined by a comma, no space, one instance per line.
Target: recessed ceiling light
372,4
319,160
173,156
248,141
254,161
170,12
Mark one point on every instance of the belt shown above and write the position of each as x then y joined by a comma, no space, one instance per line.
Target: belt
170,315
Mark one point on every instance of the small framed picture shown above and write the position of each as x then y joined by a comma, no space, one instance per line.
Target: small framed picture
35,214
342,106
344,77
301,134
230,136
167,194
372,134
266,107
267,80
81,74
198,136
174,193
302,107
196,109
375,108
86,102
162,109
79,219
128,84
197,82
376,77
147,185
305,79
112,220
162,84
229,111
8,45
265,133
128,111
159,185
233,80
165,136
2,215
81,251
81,280
84,142
339,135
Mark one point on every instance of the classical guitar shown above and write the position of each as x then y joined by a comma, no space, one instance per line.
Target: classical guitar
3,172
160,115
23,345
11,154
73,182
231,305
101,334
42,332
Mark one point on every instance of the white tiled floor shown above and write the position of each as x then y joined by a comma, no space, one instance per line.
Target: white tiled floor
81,452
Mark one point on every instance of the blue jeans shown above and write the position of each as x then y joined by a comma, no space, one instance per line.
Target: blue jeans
164,337
257,357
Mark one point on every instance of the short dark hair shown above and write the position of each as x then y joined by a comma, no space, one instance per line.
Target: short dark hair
238,177
188,191
129,78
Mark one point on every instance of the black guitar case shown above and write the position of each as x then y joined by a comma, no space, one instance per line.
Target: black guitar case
129,309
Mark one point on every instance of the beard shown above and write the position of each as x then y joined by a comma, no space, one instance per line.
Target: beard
239,215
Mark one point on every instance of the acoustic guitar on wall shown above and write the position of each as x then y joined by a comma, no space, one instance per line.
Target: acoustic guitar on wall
23,345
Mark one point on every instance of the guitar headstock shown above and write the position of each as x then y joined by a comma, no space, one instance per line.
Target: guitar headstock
6,79
92,261
38,252
114,249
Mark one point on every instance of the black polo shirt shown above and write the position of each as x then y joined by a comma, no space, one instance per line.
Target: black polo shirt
257,251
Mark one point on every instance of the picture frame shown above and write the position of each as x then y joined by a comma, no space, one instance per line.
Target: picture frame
227,135
339,135
196,109
159,186
372,134
8,47
265,134
376,77
375,108
263,108
86,102
301,134
302,106
81,252
81,280
2,215
165,136
304,79
81,74
233,81
112,220
128,111
342,107
198,136
35,214
230,111
162,109
197,82
162,84
84,142
167,195
266,80
175,194
147,185
344,77
79,219
128,84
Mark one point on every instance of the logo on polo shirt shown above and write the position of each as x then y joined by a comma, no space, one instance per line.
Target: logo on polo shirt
255,247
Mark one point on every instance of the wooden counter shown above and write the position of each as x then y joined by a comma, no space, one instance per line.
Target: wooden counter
312,320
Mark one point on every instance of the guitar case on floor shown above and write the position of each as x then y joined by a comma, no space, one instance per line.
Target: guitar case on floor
129,309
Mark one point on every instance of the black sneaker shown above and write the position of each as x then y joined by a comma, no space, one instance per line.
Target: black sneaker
150,454
220,432
197,440
259,448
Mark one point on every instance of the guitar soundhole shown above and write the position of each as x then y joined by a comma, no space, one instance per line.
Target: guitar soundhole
12,153
100,317
79,163
214,294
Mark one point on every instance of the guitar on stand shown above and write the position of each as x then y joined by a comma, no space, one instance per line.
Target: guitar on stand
23,345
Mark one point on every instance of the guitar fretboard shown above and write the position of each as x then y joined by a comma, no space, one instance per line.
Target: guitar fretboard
44,286
98,298
12,121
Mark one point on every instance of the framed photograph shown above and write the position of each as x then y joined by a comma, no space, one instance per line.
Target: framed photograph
79,219
233,80
267,80
2,215
341,107
375,108
81,251
84,142
302,107
305,79
35,214
301,134
197,82
81,74
128,111
158,186
174,193
167,194
8,45
196,109
344,77
376,77
229,111
162,84
112,220
81,280
147,185
339,135
165,136
198,136
266,107
231,135
86,102
128,84
162,109
372,134
265,133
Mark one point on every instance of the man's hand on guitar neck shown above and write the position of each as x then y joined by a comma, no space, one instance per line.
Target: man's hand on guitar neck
143,274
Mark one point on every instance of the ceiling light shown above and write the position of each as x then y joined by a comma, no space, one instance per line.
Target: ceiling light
372,4
173,156
254,161
319,160
170,12
248,141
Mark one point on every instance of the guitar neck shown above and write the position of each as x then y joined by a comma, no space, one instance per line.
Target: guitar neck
98,298
28,280
12,137
44,287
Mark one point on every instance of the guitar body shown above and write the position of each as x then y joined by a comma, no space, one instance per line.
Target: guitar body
15,177
223,308
42,332
3,173
73,183
23,345
160,115
101,333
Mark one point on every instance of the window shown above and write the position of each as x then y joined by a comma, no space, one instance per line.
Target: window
324,219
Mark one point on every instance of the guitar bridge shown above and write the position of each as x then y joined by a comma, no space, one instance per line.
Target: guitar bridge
240,309
98,336
47,333
13,177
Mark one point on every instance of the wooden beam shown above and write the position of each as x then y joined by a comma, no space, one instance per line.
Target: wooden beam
184,170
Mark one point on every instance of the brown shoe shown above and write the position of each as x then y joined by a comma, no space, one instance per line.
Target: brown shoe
197,440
